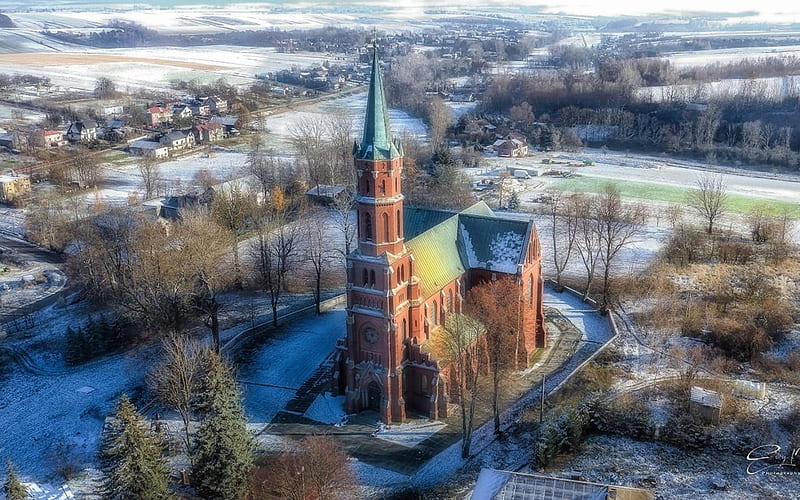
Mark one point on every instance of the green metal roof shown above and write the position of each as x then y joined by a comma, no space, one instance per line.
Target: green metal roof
377,143
417,220
479,208
436,256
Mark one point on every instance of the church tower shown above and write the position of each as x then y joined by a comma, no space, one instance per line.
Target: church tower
379,270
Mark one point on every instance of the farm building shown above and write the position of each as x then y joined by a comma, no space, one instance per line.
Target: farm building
13,186
510,147
326,194
148,148
82,131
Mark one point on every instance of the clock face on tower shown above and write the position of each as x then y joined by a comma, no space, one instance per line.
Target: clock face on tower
370,335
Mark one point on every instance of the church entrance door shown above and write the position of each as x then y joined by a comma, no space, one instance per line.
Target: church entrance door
374,397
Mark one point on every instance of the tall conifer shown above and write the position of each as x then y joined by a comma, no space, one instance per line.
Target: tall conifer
132,459
13,487
223,452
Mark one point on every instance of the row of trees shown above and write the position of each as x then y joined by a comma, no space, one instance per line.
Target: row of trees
595,229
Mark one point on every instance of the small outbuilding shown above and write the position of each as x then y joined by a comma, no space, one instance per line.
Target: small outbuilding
705,404
499,484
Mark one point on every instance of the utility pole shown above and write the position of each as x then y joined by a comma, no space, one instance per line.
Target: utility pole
541,403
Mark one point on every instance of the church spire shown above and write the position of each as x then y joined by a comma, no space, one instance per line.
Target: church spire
377,143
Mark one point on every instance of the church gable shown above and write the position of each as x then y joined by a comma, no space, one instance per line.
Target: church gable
492,243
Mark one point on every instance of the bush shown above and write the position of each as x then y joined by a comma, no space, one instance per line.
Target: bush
625,416
685,431
561,434
97,339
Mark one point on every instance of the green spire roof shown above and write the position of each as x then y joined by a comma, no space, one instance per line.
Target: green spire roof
377,143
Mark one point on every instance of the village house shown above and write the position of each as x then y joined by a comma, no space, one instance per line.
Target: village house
82,131
13,185
53,138
207,133
216,104
181,112
510,147
411,269
198,107
148,149
178,140
230,123
158,115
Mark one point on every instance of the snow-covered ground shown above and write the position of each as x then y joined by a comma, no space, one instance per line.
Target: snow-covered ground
287,360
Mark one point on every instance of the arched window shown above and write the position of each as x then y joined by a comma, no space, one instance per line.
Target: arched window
399,235
530,290
434,316
450,300
405,329
383,186
366,278
367,227
385,221
402,273
372,278
395,185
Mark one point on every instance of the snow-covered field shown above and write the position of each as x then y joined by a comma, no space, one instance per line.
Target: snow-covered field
703,57
766,88
280,125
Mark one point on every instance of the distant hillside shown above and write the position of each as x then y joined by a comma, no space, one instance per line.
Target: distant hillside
6,22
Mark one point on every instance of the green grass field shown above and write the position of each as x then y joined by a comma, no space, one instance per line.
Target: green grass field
672,194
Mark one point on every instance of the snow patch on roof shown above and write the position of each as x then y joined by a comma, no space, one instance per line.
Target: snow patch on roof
505,249
472,259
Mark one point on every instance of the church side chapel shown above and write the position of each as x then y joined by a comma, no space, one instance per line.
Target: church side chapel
412,268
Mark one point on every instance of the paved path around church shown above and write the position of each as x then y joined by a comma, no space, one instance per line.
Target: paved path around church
575,332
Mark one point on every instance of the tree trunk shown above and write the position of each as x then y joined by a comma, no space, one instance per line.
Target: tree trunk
215,326
318,293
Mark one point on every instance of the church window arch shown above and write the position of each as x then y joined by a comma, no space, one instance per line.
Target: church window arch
399,221
365,275
434,315
405,329
450,300
383,186
367,227
530,290
372,279
385,222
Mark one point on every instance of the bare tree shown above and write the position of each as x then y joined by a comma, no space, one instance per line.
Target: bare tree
619,224
234,208
150,170
710,199
308,137
320,469
318,252
204,246
498,305
342,208
460,343
273,250
588,240
564,229
175,379
87,167
440,117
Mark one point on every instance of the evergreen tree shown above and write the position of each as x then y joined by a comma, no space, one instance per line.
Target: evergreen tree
132,458
513,201
223,452
13,487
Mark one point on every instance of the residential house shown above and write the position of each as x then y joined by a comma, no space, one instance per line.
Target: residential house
216,104
114,130
510,148
231,124
208,132
159,115
148,149
13,185
172,207
53,138
198,107
181,113
82,131
111,110
326,194
178,140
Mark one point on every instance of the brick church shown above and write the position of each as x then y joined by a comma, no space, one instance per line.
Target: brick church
411,269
